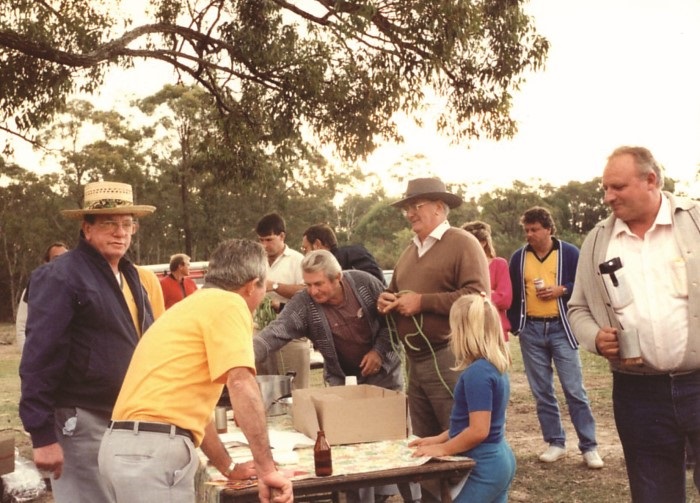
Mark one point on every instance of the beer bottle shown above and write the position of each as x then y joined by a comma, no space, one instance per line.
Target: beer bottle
322,456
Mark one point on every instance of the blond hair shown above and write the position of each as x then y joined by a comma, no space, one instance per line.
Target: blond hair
476,332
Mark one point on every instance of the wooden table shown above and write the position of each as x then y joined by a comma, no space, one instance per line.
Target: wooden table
354,466
318,487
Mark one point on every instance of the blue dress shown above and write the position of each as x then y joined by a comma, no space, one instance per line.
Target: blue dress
482,388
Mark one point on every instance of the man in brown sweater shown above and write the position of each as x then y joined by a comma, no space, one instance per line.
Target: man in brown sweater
441,264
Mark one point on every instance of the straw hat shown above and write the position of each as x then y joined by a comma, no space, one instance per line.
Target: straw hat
108,198
428,188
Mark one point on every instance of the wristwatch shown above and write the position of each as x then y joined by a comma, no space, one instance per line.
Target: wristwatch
564,290
275,286
230,469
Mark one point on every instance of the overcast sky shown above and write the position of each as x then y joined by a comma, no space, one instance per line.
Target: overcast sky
618,72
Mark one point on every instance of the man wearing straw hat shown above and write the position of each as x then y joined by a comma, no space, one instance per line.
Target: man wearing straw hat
441,264
87,312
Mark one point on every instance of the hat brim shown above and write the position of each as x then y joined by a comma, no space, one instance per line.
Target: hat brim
450,199
136,210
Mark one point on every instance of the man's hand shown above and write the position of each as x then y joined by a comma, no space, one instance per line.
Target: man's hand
371,363
386,302
606,343
243,471
276,488
406,304
551,292
50,459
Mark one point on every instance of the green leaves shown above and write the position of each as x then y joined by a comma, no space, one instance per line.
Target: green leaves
337,69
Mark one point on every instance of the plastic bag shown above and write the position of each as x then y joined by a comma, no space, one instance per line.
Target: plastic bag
25,483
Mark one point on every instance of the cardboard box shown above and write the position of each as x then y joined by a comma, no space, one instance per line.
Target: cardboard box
7,454
350,414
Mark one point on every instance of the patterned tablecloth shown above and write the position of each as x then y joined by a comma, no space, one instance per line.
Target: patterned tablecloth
299,464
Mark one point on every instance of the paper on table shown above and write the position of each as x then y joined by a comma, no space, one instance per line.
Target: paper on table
288,440
279,440
233,438
242,454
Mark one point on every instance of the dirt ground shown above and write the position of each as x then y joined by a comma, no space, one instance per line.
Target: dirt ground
568,480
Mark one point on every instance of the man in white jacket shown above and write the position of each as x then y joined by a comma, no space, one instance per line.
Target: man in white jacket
638,284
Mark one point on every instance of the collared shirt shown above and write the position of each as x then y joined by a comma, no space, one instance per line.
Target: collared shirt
431,239
351,330
286,269
652,295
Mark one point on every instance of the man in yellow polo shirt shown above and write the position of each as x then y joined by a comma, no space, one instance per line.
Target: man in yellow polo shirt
542,274
174,380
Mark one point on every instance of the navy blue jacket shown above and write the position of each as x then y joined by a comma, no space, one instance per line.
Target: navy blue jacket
358,257
567,260
80,337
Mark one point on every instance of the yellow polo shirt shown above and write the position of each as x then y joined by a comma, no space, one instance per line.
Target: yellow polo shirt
181,364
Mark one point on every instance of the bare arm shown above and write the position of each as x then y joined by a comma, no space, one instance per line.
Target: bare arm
250,416
219,457
470,437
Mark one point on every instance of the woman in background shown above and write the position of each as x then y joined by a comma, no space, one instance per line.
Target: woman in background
478,419
501,287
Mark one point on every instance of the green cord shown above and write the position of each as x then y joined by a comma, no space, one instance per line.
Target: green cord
394,338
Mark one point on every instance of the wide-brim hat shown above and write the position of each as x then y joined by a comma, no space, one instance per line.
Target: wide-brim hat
428,188
109,198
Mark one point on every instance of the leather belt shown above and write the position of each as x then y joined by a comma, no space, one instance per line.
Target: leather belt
544,319
137,426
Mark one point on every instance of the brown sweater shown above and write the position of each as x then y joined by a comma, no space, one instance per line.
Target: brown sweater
456,265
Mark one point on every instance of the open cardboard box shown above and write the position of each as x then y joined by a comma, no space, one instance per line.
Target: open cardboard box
7,454
350,414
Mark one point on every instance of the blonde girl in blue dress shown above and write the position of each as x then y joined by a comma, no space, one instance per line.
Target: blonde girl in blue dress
478,419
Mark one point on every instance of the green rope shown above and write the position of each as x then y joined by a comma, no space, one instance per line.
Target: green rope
394,338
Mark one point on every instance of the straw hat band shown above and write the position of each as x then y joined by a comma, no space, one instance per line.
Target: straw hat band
109,198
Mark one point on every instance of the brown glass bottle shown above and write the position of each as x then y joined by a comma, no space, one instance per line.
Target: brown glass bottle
322,456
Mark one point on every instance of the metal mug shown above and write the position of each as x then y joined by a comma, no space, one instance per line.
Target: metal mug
220,420
630,350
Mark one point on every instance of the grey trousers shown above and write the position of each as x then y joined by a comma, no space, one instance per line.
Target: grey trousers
429,399
148,467
79,432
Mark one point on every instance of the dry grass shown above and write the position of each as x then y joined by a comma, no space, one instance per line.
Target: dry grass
566,481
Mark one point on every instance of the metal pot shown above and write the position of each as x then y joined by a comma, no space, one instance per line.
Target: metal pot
275,388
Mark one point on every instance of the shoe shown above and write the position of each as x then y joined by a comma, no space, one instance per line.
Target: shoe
552,454
593,460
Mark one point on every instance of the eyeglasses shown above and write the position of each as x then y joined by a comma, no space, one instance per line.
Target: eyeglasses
412,207
112,226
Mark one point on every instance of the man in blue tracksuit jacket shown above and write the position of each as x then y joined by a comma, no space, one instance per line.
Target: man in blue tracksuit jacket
538,317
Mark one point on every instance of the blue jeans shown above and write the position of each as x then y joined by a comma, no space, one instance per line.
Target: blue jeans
544,342
654,416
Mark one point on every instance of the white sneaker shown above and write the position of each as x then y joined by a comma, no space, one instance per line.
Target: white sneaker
593,460
553,453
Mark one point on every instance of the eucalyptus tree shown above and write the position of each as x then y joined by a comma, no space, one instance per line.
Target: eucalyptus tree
339,69
501,208
91,144
29,221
